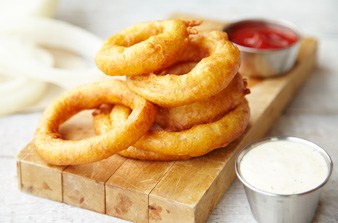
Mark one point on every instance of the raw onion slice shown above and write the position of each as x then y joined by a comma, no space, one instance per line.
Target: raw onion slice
56,34
18,93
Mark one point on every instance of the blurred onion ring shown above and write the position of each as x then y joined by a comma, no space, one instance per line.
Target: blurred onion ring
145,47
198,140
110,117
55,150
18,93
23,91
200,112
210,75
54,34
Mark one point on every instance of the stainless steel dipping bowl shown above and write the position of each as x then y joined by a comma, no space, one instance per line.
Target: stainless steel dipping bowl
265,63
269,207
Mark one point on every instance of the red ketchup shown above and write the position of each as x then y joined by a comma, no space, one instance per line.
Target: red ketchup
262,35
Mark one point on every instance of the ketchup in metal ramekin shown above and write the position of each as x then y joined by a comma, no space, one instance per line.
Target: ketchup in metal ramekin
268,47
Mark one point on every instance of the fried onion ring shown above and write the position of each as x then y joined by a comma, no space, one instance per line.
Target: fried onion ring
199,139
55,150
212,74
144,48
103,122
209,110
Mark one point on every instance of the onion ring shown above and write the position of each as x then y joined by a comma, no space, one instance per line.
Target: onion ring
103,122
55,34
212,74
55,150
199,139
145,47
205,111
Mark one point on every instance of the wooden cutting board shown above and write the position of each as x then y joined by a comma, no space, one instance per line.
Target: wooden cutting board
141,191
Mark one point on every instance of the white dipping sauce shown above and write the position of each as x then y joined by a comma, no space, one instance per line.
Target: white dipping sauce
283,167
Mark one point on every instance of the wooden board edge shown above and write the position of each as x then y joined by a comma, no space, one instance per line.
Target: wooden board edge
86,193
127,191
18,167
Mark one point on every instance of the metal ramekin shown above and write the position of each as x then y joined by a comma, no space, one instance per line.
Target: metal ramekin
266,63
269,207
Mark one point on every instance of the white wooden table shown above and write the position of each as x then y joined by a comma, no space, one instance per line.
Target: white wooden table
313,114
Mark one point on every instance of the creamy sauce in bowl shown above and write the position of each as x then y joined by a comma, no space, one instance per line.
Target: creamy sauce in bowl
284,167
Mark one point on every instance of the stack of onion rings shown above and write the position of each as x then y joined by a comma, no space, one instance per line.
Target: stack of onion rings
107,117
204,111
191,77
165,145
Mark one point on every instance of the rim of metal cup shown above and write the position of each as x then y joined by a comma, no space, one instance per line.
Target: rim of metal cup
287,138
279,22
